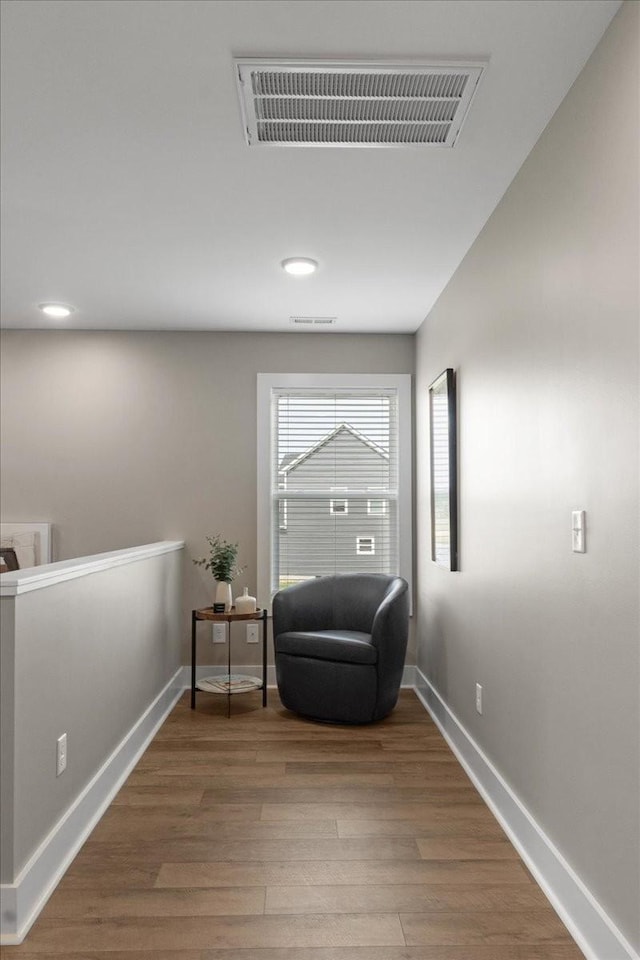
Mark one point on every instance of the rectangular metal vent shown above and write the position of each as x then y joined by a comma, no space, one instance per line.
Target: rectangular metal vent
311,321
315,104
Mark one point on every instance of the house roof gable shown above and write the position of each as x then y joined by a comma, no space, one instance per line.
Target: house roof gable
292,464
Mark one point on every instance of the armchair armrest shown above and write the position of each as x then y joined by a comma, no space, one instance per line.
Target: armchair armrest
390,630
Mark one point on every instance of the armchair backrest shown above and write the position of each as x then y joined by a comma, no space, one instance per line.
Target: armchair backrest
344,602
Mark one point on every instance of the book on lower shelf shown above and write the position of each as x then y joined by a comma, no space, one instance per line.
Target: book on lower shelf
229,683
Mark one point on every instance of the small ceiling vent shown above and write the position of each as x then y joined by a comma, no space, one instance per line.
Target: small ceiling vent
313,321
314,104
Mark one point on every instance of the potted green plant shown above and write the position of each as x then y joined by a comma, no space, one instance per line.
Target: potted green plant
222,564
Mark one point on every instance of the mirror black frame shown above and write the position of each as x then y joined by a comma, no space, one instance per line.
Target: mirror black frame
444,468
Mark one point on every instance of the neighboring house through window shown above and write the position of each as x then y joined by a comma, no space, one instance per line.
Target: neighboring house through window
365,545
334,468
338,507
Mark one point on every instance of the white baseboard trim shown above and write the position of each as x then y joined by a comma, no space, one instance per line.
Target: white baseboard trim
589,924
23,900
204,670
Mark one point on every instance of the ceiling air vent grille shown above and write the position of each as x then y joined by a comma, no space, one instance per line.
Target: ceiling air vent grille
313,321
303,103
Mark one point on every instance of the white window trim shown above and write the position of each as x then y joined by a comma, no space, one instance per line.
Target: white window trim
270,381
378,513
338,513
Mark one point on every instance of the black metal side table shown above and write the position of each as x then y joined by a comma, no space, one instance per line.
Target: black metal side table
206,613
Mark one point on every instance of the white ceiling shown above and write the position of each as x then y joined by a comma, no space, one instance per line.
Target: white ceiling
129,190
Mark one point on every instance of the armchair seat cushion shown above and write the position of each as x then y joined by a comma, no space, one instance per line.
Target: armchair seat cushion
342,646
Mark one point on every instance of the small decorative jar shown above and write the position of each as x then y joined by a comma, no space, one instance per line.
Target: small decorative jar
245,603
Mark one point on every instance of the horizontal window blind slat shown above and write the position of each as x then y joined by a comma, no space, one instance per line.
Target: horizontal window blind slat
334,482
326,495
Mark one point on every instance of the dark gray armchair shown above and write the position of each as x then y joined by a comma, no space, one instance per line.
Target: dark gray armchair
340,644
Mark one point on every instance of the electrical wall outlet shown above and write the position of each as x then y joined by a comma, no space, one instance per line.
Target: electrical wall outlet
61,754
253,633
219,633
478,698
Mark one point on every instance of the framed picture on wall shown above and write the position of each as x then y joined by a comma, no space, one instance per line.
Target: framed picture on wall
444,470
8,560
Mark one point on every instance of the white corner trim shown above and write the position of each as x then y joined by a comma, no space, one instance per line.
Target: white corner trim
35,578
23,900
589,924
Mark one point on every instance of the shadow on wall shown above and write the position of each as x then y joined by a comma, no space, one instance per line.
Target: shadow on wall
435,666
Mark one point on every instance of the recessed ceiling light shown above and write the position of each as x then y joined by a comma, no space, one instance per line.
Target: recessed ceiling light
57,311
300,266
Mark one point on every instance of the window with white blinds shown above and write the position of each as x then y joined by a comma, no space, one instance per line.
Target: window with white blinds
336,475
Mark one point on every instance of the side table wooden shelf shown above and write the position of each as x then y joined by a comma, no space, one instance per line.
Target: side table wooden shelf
206,613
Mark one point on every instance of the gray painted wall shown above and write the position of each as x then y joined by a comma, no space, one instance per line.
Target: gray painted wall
127,438
90,655
7,734
541,323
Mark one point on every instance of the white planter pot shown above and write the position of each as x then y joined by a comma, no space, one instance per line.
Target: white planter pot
224,595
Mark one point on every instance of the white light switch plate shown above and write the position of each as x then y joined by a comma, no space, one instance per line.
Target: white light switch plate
578,531
61,754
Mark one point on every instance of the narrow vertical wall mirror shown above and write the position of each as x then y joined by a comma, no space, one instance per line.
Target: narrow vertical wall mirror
444,470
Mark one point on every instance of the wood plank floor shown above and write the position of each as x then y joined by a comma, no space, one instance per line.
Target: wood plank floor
267,837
